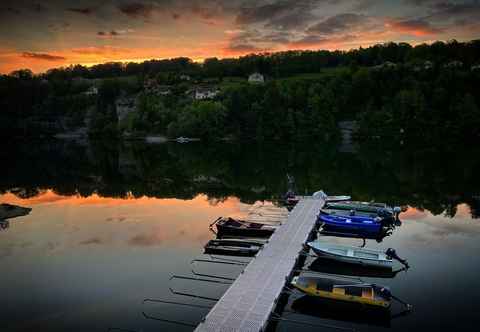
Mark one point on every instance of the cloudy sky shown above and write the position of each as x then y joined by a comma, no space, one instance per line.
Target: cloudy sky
45,34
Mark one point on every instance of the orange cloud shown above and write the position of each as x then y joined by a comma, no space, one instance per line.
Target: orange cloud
415,27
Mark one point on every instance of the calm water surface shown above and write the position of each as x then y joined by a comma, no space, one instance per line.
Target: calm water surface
111,223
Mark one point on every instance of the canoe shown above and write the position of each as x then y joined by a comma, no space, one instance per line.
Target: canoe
344,290
232,247
351,254
352,224
244,228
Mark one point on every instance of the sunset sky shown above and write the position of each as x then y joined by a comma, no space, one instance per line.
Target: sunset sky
43,34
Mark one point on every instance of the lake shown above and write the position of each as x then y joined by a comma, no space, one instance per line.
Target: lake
113,222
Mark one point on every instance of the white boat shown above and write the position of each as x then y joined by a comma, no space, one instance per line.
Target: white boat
351,254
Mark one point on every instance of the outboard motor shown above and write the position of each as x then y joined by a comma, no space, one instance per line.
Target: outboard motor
391,253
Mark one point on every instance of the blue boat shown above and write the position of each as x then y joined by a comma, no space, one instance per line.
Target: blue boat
350,224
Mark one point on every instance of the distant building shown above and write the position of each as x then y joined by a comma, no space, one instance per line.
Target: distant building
205,92
386,65
92,91
453,64
427,65
151,86
256,78
124,106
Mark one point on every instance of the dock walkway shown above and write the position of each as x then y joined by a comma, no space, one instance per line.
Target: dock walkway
248,303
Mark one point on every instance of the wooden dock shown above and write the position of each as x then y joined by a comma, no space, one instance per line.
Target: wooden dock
250,300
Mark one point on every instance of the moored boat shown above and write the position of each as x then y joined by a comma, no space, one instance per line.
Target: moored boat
381,209
230,226
351,254
233,247
330,266
344,290
350,224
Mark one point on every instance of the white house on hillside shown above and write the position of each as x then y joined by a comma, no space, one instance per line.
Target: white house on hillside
201,93
256,78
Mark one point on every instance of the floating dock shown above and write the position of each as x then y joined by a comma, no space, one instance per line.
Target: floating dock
250,300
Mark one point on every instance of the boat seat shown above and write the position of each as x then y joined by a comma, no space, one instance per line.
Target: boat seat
339,291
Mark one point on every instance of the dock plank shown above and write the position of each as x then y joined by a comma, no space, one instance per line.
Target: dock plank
249,301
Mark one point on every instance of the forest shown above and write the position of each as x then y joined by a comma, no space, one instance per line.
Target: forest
394,91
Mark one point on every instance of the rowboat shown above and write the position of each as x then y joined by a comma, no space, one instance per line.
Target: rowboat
233,247
232,226
344,290
350,224
329,266
351,254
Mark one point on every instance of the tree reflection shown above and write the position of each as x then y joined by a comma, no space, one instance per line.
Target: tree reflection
422,178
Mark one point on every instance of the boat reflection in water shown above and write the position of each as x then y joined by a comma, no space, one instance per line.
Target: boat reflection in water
341,311
330,266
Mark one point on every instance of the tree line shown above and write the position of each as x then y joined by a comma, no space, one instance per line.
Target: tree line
389,89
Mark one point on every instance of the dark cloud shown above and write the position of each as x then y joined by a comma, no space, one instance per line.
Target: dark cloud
10,10
43,56
264,12
137,9
338,23
242,48
113,33
145,240
93,240
84,11
38,7
287,14
317,41
291,21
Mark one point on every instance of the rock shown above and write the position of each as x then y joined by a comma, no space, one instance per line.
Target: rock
12,211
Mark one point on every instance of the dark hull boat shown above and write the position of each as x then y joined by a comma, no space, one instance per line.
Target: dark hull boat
381,209
230,226
329,266
232,247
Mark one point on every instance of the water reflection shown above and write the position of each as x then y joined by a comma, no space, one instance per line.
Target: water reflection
249,171
112,222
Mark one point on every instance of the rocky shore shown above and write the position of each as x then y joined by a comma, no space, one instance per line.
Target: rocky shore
8,211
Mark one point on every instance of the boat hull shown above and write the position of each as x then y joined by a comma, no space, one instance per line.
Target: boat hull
310,286
382,264
248,232
351,224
